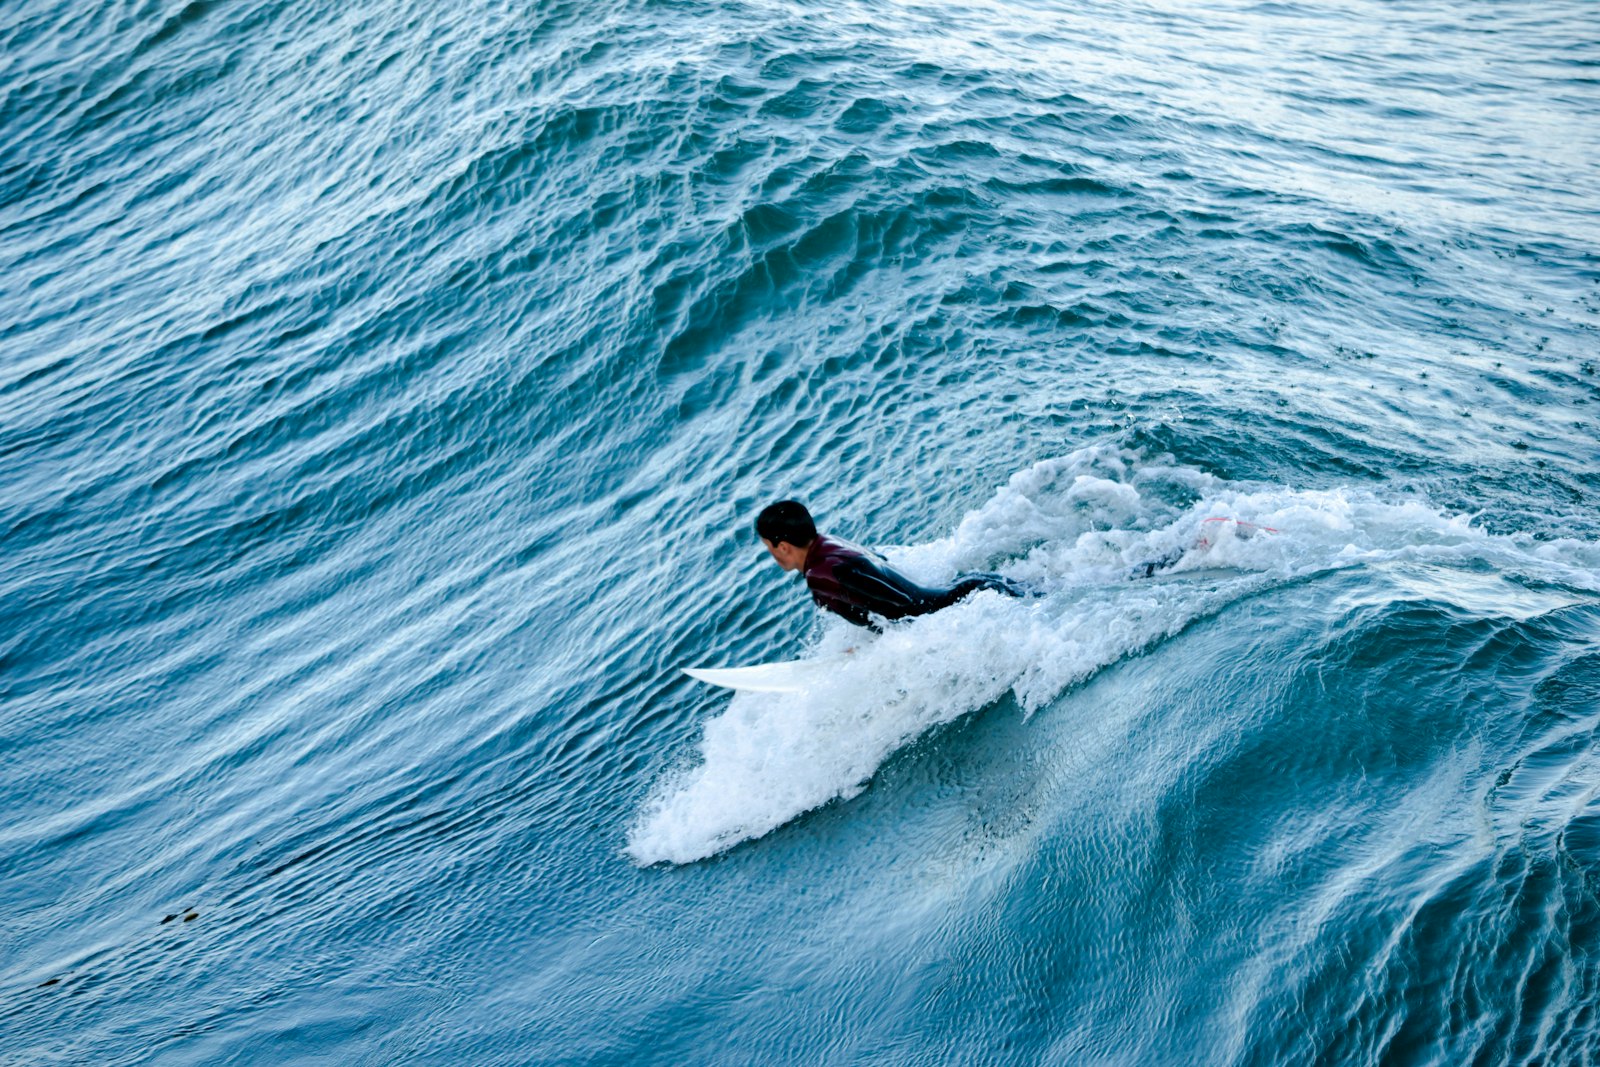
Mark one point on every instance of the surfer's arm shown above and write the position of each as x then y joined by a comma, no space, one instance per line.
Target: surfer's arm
851,613
878,591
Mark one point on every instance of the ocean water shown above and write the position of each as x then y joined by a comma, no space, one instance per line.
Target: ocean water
386,393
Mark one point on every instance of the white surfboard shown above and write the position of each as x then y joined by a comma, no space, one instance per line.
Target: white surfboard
790,676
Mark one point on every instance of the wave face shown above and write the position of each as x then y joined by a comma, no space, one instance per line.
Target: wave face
388,392
1081,532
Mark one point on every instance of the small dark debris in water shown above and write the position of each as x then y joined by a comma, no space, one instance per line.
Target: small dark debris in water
51,982
1520,446
193,915
168,919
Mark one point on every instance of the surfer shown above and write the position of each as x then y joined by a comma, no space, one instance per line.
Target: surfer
851,581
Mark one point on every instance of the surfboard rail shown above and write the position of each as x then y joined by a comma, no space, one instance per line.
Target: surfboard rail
786,676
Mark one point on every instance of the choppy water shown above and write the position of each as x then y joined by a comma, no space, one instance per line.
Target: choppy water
387,390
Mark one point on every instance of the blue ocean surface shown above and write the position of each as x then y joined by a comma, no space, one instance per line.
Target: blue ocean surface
387,390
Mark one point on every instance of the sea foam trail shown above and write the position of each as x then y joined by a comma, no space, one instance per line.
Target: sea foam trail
1075,528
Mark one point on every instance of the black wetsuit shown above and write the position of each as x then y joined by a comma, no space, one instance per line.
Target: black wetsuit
856,584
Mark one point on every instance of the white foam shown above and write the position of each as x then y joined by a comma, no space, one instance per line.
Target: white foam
1074,527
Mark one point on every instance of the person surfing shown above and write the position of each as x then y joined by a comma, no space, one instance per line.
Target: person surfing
853,582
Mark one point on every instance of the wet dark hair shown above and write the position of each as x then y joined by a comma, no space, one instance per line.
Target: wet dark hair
786,522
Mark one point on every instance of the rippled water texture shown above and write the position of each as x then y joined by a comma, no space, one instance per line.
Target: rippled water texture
386,391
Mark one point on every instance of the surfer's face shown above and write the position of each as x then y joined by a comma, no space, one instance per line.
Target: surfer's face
789,557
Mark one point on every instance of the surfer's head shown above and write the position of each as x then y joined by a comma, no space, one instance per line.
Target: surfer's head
787,531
